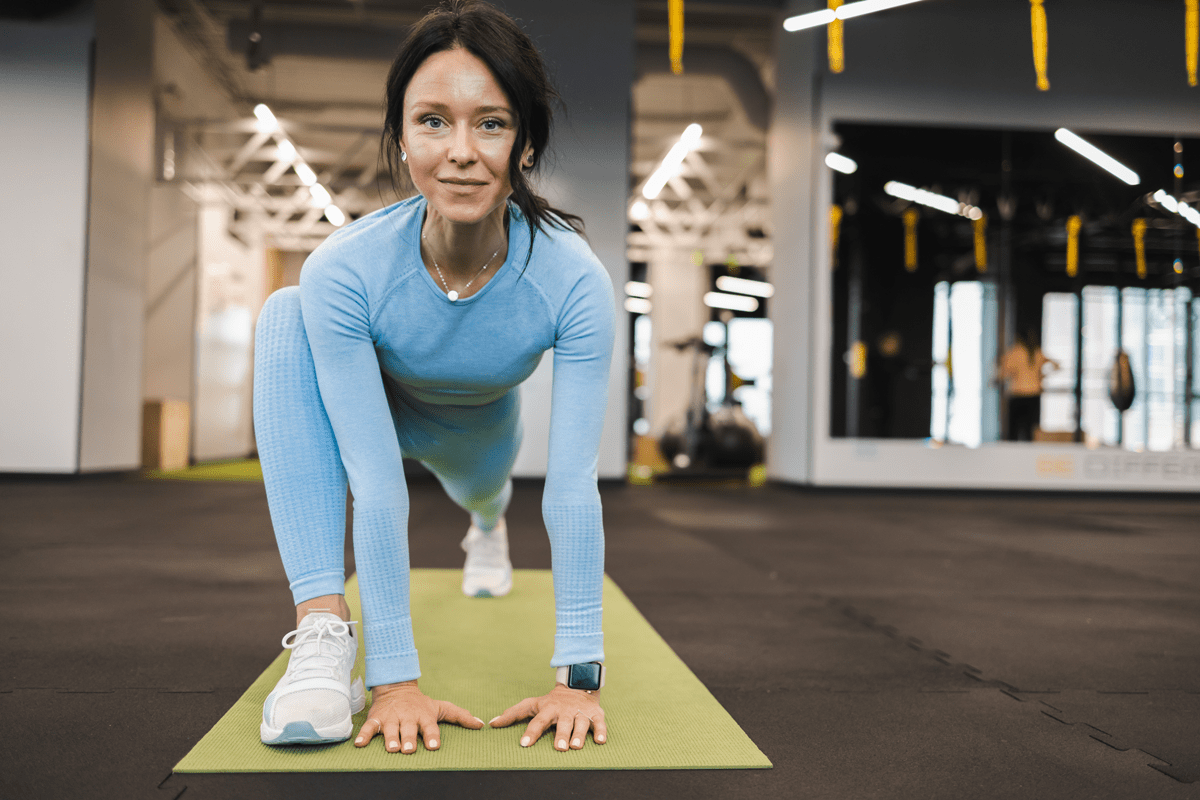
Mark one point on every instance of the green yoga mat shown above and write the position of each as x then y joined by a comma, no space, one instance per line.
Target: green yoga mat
243,469
486,655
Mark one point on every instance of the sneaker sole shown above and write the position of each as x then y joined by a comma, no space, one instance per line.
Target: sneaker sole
500,591
302,732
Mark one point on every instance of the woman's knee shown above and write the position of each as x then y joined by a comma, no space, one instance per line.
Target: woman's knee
283,306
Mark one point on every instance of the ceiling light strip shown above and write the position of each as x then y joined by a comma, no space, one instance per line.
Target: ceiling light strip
1097,156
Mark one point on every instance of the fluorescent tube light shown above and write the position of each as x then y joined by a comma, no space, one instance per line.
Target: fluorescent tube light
841,163
851,10
810,20
825,16
939,201
638,305
915,195
733,302
335,215
638,289
266,120
671,162
320,195
307,176
1097,156
728,283
639,211
287,150
1167,201
1179,207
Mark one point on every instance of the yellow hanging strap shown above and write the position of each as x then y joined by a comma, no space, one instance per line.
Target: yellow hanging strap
858,360
1198,238
675,23
837,48
1074,223
910,239
1192,39
981,245
1040,41
835,229
1139,245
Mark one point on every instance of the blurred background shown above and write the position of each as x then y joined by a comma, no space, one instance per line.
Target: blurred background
939,244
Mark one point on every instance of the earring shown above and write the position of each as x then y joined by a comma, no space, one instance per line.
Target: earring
403,156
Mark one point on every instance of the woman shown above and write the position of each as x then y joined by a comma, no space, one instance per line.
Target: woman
408,336
1023,367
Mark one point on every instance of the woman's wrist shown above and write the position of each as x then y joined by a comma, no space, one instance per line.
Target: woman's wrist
402,686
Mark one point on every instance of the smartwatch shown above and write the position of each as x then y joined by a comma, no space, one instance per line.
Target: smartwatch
588,677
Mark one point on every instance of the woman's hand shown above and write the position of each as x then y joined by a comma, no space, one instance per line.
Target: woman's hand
399,711
572,711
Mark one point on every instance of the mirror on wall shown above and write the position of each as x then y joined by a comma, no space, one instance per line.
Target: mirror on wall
1036,286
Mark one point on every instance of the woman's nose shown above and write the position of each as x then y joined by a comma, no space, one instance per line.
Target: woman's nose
462,146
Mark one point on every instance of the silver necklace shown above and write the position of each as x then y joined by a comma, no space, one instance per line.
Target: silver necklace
451,294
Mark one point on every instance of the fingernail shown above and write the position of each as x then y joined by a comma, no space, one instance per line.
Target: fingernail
575,743
433,744
562,744
493,721
394,745
524,741
408,746
477,719
600,737
358,740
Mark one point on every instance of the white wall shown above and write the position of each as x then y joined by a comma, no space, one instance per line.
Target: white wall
588,46
231,293
44,83
791,152
122,156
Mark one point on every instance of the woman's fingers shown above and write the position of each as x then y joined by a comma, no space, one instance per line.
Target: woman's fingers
599,730
391,736
430,734
408,736
562,731
448,712
536,727
579,734
367,732
522,710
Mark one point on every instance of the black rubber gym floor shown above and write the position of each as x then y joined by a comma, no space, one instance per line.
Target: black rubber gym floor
873,644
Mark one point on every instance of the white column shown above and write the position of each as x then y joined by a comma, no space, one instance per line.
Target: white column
791,154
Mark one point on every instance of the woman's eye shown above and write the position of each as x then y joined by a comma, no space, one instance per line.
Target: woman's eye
432,122
492,125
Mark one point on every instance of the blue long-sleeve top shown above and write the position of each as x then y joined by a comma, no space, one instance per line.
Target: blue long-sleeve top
373,316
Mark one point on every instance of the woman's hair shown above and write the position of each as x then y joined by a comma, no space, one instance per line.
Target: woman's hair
492,37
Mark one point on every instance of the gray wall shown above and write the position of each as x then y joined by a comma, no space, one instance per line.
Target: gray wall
588,46
44,78
122,156
1114,65
75,155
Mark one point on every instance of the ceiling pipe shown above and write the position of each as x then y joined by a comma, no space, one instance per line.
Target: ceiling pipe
740,72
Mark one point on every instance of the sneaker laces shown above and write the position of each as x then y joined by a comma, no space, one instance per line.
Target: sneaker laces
485,551
311,646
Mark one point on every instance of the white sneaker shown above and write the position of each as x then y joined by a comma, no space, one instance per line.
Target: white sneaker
488,572
314,700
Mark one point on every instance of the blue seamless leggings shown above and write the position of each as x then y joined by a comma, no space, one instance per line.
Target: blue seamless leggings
470,449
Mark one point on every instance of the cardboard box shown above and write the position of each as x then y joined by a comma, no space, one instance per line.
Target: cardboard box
166,434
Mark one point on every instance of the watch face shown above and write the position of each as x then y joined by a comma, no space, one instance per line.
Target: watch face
584,676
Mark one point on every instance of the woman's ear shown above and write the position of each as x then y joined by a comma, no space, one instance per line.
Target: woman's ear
527,157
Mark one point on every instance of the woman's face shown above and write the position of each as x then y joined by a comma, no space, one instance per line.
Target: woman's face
459,130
